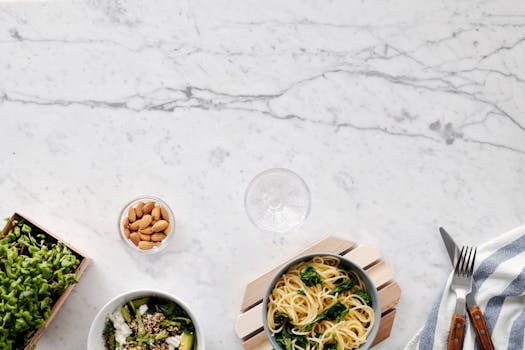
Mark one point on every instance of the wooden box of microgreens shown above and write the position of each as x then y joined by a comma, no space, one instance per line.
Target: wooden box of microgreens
37,273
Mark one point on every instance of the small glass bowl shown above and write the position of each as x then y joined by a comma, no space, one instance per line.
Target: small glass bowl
124,214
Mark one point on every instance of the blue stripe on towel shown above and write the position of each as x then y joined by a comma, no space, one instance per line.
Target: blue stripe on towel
487,268
517,332
426,342
489,265
494,305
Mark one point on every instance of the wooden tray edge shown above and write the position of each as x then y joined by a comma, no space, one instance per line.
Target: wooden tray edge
84,263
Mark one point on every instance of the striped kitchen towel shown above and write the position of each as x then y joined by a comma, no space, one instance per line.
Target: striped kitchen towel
499,275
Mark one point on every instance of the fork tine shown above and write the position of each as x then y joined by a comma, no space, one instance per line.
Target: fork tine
471,269
470,261
460,261
467,261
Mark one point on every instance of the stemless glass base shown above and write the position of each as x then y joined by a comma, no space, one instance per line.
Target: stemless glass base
277,200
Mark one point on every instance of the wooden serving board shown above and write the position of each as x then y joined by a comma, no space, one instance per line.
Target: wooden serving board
84,262
249,325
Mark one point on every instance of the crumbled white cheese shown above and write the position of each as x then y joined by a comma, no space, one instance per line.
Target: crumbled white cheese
173,342
142,309
122,330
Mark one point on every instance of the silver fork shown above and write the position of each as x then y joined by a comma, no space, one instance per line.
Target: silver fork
461,285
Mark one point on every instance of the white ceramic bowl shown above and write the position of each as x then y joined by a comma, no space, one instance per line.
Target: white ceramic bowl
95,340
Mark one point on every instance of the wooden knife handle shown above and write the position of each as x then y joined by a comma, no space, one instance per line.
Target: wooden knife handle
455,336
481,328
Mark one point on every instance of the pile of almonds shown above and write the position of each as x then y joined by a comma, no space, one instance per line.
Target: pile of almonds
147,225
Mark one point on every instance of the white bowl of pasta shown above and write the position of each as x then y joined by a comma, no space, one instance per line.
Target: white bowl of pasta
321,301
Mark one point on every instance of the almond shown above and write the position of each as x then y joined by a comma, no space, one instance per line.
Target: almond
146,245
125,223
157,244
164,214
146,231
158,237
145,221
144,237
138,209
148,207
126,232
131,215
167,230
160,226
134,226
135,238
156,213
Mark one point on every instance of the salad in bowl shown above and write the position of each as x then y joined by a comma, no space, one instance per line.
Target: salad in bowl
144,322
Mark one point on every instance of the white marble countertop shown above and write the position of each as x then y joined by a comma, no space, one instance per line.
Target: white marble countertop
401,117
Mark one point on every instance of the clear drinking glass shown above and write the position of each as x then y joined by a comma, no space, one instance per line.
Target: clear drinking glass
277,200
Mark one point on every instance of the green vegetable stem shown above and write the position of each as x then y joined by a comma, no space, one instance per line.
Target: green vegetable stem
34,272
343,286
336,312
365,296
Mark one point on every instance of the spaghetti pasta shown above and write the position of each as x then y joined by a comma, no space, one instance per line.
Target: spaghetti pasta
317,304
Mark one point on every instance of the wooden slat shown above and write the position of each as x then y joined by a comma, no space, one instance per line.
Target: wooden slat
389,296
250,321
255,290
363,256
387,321
380,274
258,342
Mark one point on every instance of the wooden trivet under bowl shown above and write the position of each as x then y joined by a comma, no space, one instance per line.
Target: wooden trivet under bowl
249,325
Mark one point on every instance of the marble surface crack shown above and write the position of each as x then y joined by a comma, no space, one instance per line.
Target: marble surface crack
309,22
343,125
493,144
502,48
16,37
168,99
448,88
488,71
33,100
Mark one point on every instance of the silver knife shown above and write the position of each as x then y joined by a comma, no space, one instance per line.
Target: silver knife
452,247
476,316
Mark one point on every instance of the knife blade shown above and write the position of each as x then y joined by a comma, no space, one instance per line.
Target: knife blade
452,247
474,311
